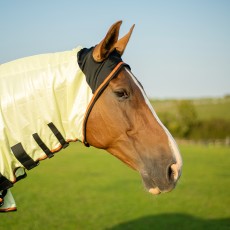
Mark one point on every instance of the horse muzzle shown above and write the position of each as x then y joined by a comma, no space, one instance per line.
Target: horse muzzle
162,183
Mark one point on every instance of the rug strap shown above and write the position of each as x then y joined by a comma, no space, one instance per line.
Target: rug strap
4,183
42,145
23,157
58,135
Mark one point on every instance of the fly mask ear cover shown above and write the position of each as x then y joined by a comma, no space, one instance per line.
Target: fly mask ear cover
98,75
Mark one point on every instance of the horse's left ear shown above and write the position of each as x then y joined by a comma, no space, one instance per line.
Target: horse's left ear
106,46
122,43
111,42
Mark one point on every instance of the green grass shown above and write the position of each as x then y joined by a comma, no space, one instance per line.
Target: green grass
88,189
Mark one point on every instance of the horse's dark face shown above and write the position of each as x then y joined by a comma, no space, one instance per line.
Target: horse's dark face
124,123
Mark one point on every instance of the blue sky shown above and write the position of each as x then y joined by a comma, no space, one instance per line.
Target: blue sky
178,48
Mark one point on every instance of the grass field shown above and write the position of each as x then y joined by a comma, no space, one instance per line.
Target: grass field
88,189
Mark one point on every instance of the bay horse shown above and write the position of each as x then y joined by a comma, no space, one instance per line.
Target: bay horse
88,95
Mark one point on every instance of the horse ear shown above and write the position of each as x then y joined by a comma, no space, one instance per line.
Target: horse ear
122,43
106,46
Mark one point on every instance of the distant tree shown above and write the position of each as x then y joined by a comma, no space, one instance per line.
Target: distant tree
170,121
184,123
187,117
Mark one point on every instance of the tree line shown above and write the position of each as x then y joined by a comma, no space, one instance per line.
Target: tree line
185,124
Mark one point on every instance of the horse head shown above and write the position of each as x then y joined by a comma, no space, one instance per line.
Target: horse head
123,122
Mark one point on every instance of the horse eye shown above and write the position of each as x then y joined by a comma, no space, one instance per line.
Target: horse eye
121,94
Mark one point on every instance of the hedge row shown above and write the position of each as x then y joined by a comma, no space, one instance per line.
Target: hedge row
186,124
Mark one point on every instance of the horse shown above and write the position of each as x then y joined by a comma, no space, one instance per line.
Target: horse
88,95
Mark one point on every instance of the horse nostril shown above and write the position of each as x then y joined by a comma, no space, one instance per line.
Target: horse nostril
173,173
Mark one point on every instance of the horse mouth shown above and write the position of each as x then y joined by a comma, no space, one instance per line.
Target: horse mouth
155,191
150,185
153,188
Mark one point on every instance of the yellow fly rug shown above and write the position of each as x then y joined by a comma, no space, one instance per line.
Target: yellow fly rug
43,100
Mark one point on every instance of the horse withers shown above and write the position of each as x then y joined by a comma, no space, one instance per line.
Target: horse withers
92,97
